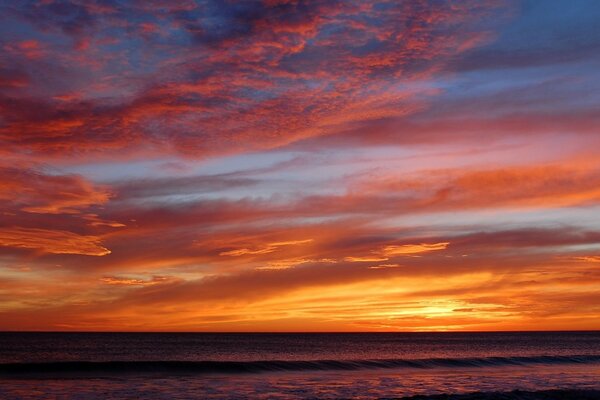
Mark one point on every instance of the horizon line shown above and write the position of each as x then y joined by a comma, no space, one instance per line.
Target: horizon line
310,332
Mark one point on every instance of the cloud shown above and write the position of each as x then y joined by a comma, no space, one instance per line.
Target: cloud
588,259
42,211
235,78
269,248
537,186
124,281
429,191
410,249
390,251
281,165
52,241
37,192
242,252
365,259
293,262
171,186
390,299
380,266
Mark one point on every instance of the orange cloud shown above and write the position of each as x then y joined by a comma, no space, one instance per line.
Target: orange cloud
381,266
269,248
409,249
388,251
391,299
52,241
373,224
530,186
123,281
365,259
293,262
242,252
589,259
36,192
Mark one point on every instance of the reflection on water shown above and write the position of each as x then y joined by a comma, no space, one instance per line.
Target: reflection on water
150,364
295,385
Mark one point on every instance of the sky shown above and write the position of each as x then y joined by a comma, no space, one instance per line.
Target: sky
284,165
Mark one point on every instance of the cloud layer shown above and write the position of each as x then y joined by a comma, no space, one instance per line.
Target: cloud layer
297,165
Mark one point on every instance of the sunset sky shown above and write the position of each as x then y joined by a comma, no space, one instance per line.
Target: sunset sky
284,165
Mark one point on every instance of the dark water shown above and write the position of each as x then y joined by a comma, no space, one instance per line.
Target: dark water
344,365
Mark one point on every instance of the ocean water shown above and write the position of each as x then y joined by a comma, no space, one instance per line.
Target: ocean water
561,365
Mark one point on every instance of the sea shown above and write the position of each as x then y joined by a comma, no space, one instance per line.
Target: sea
417,366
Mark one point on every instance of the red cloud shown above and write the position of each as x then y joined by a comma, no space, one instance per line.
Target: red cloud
266,80
35,192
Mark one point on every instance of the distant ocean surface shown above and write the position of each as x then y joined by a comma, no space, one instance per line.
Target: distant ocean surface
550,365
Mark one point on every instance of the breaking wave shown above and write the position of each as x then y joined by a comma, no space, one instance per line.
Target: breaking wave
231,367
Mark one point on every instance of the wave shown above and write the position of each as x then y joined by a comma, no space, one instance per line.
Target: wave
229,367
563,394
